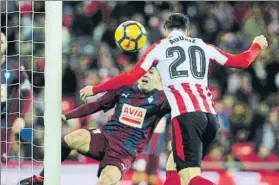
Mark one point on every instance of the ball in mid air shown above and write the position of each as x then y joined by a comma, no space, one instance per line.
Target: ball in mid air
130,36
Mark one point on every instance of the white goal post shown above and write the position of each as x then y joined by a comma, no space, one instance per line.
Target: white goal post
53,92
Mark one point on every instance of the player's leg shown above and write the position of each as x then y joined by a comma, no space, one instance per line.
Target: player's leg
170,163
186,146
110,175
172,176
114,164
188,130
38,179
207,139
80,140
77,140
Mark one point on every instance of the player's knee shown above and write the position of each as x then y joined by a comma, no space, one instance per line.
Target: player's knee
79,139
110,175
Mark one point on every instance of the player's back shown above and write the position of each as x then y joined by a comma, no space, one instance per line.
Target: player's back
183,65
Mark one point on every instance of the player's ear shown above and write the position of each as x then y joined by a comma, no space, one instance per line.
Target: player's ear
166,33
187,32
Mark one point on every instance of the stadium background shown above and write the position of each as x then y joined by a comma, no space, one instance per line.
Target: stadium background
247,100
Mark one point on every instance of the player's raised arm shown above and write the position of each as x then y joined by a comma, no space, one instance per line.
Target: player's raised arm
242,60
124,79
105,102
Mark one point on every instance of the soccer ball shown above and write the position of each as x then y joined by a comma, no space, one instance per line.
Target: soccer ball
130,36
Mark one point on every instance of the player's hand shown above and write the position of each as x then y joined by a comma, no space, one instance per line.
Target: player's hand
261,40
85,92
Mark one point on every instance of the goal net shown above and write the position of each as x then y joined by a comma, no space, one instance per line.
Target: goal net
26,89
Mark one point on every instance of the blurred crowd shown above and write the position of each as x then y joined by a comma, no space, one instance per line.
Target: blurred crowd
246,100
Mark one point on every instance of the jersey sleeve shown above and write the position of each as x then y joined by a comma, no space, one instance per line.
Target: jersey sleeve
129,78
105,102
242,60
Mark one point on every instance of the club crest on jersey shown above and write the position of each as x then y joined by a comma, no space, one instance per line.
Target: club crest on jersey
150,99
125,95
132,116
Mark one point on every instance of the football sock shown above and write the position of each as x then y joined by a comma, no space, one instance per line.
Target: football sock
198,180
172,178
65,151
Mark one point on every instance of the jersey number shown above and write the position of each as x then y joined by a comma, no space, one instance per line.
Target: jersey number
198,71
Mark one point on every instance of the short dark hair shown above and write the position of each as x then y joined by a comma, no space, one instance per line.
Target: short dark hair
177,21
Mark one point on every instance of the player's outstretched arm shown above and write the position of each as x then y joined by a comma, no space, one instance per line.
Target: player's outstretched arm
129,78
242,60
83,110
125,79
105,102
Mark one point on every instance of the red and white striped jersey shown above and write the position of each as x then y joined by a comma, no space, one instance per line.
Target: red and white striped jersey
183,65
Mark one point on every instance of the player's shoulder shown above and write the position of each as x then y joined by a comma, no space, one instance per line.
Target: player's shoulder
199,40
158,43
125,89
154,47
160,92
202,44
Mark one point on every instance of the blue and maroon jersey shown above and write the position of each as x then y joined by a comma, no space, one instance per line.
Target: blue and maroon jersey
136,115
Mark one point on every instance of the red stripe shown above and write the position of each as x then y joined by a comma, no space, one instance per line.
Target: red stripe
193,98
178,139
179,100
206,105
131,120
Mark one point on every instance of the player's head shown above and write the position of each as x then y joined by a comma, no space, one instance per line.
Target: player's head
3,43
150,80
177,21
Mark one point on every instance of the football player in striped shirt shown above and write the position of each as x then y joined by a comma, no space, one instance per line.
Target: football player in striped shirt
183,62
